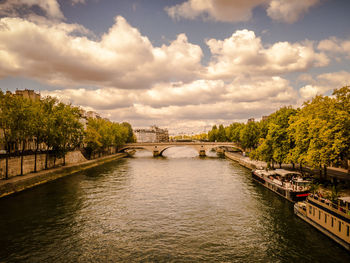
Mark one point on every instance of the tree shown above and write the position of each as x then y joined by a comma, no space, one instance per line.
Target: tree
7,124
22,115
130,136
102,134
342,119
298,133
320,132
212,135
69,129
324,133
235,130
264,152
278,133
92,138
121,134
221,134
38,124
249,136
49,132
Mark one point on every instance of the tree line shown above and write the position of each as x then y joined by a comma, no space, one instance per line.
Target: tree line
55,128
193,137
316,134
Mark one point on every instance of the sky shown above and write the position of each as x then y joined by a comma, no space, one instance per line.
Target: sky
184,65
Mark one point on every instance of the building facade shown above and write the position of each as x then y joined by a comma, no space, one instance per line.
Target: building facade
28,94
154,134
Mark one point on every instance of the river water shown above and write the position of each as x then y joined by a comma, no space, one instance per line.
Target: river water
180,208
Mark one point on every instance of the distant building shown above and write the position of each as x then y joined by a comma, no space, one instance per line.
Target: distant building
92,114
145,135
28,94
154,134
251,120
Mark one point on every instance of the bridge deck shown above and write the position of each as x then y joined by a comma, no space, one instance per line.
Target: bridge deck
181,143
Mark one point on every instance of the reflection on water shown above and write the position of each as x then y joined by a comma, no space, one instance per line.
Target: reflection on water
179,208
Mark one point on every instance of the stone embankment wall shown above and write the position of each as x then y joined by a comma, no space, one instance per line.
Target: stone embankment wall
245,161
14,163
20,183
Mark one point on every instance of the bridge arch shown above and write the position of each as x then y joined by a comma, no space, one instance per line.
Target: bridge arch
159,148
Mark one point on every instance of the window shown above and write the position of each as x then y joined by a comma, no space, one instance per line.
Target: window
332,221
339,226
314,211
347,230
325,218
310,209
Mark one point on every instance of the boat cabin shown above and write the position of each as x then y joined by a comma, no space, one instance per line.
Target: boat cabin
292,179
344,204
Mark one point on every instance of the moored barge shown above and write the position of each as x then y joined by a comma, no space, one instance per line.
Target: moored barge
288,184
332,219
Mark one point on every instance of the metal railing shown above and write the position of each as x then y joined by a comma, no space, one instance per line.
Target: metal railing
331,205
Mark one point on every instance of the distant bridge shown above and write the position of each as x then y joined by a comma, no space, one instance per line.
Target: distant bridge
157,148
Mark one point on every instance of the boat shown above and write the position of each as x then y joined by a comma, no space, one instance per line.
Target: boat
332,219
288,184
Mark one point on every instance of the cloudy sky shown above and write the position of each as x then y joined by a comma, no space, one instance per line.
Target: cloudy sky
180,64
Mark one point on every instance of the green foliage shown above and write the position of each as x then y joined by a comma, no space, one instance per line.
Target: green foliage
130,133
57,125
317,134
277,134
249,135
213,134
194,137
320,130
102,134
221,134
314,188
333,195
234,131
68,128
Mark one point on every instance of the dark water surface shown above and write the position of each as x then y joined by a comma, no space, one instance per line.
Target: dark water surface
181,208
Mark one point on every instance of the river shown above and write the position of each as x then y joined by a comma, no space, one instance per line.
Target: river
180,208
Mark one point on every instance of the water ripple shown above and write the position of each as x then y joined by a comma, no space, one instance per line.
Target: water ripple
180,208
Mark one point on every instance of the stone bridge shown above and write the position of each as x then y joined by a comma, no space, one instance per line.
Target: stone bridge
157,148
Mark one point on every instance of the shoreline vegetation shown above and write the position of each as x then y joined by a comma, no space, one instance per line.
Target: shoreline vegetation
315,135
30,126
325,189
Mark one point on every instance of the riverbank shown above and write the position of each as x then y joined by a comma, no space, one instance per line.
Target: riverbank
340,174
245,161
20,183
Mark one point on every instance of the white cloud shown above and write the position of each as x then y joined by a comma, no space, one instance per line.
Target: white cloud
51,8
181,94
219,10
123,58
336,47
97,99
240,10
179,104
289,11
272,89
309,91
130,79
243,53
325,83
